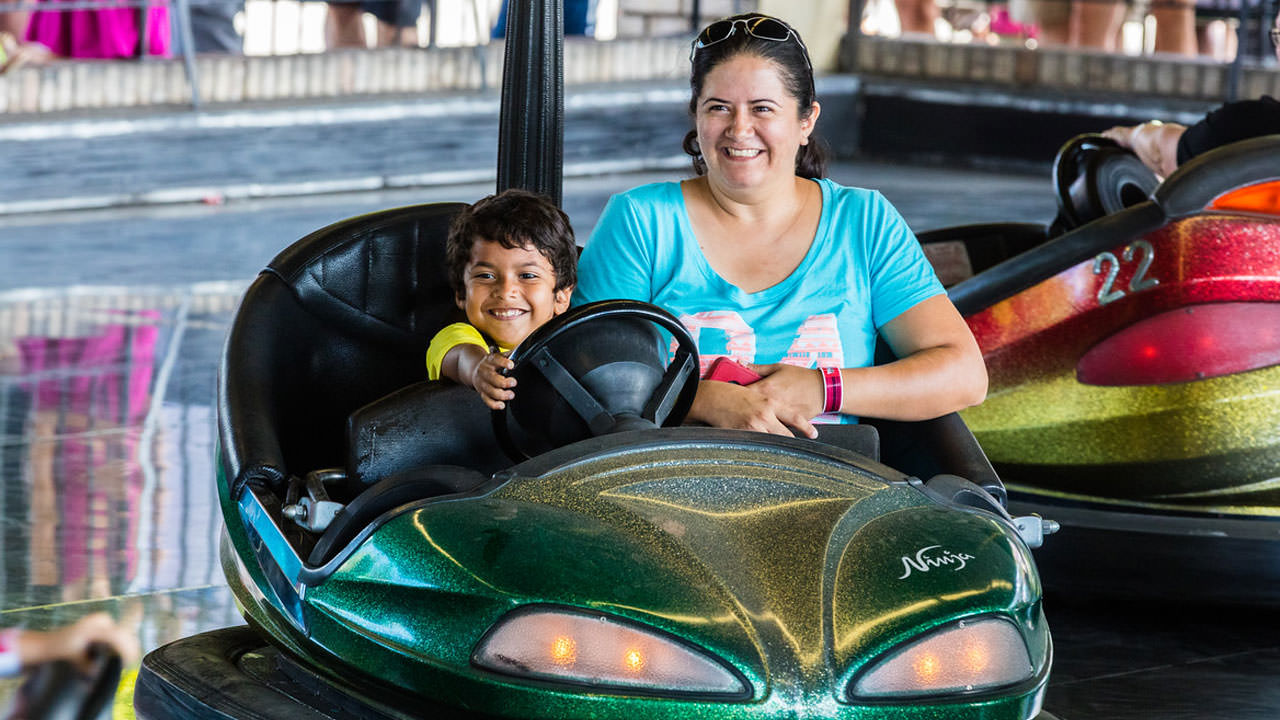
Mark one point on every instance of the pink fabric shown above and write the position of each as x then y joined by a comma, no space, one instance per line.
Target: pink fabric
98,33
100,387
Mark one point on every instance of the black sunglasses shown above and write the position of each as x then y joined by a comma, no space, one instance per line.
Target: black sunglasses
761,27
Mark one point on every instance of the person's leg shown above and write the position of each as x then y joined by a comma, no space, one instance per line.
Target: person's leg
1175,26
15,49
1051,18
15,23
1096,24
390,35
397,22
344,25
1214,38
917,16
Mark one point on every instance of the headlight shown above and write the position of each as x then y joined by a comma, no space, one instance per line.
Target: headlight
575,647
969,656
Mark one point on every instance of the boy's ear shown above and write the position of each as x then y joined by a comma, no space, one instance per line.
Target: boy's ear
460,300
563,296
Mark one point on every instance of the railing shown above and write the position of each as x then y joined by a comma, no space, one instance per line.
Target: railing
282,27
1161,30
300,27
1172,27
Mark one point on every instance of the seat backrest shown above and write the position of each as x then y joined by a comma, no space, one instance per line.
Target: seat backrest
340,318
381,276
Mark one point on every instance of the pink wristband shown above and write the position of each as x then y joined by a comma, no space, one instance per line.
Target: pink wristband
833,390
10,661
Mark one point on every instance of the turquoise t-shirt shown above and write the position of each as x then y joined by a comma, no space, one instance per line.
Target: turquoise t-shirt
865,267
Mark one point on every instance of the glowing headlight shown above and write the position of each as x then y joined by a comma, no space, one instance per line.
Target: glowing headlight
602,652
971,655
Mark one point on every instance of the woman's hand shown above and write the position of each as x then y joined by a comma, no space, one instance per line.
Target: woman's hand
786,398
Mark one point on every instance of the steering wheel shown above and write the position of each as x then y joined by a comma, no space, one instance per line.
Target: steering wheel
1093,176
597,369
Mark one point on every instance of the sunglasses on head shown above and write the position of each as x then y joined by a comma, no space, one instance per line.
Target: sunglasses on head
760,27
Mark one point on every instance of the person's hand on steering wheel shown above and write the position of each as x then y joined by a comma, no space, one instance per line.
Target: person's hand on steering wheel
75,642
1155,143
486,376
786,398
481,369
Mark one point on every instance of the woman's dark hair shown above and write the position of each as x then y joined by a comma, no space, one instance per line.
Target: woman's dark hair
794,69
514,219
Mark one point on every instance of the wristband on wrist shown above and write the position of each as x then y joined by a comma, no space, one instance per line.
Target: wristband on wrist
10,661
832,389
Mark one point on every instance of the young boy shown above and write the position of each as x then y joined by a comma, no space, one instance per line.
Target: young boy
513,265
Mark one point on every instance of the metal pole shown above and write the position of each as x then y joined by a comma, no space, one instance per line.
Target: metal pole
189,50
531,125
695,17
433,24
1237,65
144,12
852,35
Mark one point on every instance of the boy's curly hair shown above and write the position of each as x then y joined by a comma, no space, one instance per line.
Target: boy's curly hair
514,219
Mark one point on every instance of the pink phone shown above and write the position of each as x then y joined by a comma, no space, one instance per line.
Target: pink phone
726,369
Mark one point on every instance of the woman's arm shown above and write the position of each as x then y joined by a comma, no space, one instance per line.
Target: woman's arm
940,370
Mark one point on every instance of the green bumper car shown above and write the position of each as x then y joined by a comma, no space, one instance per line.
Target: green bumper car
396,556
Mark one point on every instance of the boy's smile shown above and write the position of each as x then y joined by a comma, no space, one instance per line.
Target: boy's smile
510,292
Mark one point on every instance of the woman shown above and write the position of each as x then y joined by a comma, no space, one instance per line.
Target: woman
767,262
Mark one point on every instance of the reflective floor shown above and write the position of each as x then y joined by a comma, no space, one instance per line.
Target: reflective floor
111,325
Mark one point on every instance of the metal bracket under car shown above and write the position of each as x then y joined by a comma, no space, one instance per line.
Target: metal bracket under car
313,511
955,490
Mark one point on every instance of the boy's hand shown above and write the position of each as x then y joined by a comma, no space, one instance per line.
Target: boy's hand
488,380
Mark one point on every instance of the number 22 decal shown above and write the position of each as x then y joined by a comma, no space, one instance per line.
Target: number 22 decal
1139,281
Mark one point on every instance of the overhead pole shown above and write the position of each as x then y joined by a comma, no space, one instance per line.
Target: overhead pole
531,124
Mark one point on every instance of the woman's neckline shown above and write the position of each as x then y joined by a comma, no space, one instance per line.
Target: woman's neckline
695,252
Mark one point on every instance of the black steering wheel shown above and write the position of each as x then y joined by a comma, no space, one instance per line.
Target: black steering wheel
597,369
1093,176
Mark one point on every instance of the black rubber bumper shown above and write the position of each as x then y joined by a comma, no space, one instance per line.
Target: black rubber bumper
233,674
1187,557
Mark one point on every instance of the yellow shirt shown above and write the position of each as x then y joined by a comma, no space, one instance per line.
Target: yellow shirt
449,338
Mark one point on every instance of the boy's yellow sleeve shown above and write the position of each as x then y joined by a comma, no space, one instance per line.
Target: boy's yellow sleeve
447,339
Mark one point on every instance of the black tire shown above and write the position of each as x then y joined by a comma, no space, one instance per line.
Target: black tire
201,678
